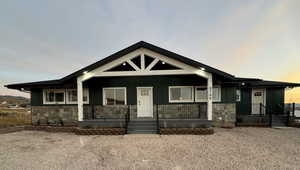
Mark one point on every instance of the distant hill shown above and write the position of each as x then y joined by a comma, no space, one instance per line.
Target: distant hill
15,100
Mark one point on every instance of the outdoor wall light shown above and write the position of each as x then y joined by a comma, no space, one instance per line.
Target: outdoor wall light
202,68
163,62
85,72
124,64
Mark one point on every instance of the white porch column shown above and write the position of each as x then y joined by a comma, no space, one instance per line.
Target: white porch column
209,97
80,99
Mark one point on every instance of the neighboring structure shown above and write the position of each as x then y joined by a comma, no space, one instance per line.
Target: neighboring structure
148,83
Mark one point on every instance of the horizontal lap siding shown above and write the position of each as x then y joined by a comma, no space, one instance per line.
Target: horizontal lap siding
36,97
275,99
160,86
228,95
244,106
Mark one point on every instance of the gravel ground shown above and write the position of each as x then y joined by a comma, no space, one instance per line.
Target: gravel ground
238,148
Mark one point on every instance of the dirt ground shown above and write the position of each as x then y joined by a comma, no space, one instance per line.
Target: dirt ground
238,148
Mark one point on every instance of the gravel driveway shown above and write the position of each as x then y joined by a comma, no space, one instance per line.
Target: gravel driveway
238,148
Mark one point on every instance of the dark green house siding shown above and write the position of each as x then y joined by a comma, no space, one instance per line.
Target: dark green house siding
36,97
160,86
244,106
274,98
228,94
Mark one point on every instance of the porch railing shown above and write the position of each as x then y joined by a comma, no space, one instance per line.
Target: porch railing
127,118
182,111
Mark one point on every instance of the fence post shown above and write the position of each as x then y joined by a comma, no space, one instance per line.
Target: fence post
270,118
157,114
128,111
199,111
293,109
93,111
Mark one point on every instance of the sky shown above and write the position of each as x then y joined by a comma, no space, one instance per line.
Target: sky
44,40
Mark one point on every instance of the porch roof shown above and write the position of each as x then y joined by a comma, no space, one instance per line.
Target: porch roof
253,82
143,44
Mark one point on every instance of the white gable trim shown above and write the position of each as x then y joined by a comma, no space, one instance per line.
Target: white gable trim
152,64
143,61
185,69
133,65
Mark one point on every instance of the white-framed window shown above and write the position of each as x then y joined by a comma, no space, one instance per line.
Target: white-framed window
238,95
114,96
181,94
54,96
72,96
201,94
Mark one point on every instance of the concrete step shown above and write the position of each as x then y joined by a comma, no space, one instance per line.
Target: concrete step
142,123
141,127
141,131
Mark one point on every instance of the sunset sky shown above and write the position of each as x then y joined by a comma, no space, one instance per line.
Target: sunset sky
42,40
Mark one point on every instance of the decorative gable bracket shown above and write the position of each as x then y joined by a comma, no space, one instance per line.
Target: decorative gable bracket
143,62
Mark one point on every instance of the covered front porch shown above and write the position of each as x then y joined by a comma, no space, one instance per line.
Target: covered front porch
164,116
146,86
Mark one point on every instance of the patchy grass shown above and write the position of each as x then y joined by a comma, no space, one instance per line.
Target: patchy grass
12,117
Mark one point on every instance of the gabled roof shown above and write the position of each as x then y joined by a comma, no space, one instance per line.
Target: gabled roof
142,44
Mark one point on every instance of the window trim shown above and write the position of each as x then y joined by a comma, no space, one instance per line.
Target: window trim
107,88
240,95
55,91
180,101
205,100
75,102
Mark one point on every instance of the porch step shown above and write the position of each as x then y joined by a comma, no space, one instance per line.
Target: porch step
278,120
142,132
142,127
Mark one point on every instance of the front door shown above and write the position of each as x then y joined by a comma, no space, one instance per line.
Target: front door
144,102
258,96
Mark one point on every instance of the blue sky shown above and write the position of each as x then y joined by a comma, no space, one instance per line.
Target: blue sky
43,40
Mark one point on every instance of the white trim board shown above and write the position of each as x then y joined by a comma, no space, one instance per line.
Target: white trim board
54,91
107,88
139,107
102,70
181,101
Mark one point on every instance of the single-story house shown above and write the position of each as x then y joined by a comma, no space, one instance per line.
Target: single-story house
147,85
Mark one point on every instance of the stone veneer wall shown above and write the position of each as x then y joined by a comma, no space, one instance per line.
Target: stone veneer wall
224,114
110,111
54,114
182,111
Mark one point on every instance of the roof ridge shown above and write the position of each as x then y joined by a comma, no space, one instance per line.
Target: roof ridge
144,44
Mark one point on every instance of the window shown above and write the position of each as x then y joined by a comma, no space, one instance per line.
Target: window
144,92
114,96
181,94
72,96
201,94
238,95
54,96
258,93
